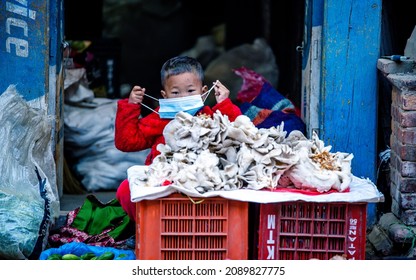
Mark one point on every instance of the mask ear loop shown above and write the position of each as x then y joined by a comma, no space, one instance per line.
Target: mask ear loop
209,91
148,106
206,96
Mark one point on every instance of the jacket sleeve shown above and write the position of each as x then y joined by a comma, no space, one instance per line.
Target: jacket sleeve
133,133
227,107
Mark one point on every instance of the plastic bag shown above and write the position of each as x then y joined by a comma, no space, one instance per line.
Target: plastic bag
78,248
89,145
29,202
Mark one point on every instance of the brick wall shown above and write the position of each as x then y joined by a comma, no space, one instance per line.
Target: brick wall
403,147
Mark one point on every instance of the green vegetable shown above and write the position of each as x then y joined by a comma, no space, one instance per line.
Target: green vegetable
87,256
55,257
70,257
106,256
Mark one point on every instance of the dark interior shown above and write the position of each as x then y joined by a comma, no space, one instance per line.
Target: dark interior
146,33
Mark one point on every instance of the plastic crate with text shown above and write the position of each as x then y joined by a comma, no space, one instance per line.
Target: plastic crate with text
178,227
310,230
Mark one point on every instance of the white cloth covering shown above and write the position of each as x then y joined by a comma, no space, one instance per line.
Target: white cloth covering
361,190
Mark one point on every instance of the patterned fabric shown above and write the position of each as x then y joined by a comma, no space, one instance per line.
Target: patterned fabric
270,108
96,224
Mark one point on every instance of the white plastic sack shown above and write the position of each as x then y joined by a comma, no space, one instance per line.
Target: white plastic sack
76,86
89,144
29,200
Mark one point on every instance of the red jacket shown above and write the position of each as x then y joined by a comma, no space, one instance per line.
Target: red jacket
134,134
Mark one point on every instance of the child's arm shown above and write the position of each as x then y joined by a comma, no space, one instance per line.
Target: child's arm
133,133
129,135
126,128
227,107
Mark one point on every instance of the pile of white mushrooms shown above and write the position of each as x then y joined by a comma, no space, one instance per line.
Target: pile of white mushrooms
208,154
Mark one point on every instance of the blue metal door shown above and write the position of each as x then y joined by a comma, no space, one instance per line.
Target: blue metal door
341,49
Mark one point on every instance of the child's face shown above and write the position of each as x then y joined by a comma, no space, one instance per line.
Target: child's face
181,85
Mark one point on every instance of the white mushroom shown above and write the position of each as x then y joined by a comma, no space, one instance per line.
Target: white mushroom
206,154
318,168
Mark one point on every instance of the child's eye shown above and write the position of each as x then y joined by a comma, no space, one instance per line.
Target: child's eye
191,90
174,92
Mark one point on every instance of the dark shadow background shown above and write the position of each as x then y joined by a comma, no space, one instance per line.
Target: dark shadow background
155,30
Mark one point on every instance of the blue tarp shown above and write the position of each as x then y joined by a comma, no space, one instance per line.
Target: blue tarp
78,248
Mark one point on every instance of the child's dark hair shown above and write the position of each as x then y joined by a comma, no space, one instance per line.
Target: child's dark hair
179,65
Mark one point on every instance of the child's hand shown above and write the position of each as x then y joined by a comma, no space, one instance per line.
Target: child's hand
221,92
136,95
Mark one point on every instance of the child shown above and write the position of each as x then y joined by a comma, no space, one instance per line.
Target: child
181,77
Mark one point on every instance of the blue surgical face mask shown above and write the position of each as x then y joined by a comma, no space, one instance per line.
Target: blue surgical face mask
169,107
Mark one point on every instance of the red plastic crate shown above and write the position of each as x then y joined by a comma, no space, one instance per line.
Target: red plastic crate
178,228
305,230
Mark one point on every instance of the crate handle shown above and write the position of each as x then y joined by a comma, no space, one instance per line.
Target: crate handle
195,202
